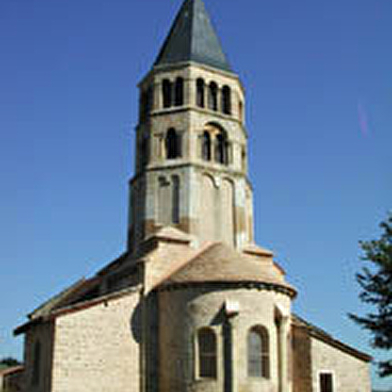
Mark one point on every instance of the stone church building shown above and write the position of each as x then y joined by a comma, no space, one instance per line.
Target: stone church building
193,304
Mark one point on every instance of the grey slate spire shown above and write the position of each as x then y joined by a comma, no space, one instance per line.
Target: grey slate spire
193,38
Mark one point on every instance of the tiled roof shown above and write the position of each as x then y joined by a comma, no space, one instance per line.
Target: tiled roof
193,38
222,263
327,338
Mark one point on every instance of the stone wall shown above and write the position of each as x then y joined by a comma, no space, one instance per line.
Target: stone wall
42,334
302,360
219,210
182,312
97,348
350,374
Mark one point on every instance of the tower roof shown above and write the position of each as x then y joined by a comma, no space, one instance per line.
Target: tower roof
193,38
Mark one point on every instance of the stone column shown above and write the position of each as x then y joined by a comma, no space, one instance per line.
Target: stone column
189,92
234,354
283,374
157,105
230,331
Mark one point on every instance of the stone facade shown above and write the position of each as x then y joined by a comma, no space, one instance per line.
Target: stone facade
38,355
215,200
193,305
97,348
349,373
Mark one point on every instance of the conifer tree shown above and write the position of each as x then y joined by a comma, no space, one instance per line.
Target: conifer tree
376,290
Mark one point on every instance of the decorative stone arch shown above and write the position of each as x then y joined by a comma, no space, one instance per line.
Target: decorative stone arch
211,177
220,142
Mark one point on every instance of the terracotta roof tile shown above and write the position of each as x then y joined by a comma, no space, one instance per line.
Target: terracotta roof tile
222,263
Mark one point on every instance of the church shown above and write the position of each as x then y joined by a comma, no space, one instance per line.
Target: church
193,304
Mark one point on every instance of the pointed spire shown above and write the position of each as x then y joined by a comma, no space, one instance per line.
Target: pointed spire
193,38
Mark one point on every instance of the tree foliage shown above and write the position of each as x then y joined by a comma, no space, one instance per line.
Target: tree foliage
376,290
9,361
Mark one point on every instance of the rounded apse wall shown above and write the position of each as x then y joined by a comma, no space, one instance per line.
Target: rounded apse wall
189,360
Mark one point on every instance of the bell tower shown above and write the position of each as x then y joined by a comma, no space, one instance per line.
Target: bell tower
191,144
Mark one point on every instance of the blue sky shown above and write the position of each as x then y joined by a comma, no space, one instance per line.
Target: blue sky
319,116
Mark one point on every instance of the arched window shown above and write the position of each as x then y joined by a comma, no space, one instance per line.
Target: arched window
175,199
207,350
179,92
167,93
213,96
222,148
36,363
173,144
206,146
226,100
258,352
200,93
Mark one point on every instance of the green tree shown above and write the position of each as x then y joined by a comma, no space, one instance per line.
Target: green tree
376,290
9,361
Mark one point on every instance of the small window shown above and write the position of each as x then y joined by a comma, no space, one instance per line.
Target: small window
226,100
206,340
36,364
173,144
222,149
258,353
179,92
200,93
167,93
213,96
326,382
206,146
